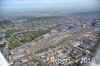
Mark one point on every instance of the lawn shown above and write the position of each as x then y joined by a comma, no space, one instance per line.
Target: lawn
10,32
29,37
14,43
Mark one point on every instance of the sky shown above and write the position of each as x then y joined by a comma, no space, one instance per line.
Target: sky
20,6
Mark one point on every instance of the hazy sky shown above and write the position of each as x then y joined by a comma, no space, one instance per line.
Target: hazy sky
48,5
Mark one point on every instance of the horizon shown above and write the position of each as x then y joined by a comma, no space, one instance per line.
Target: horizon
22,7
